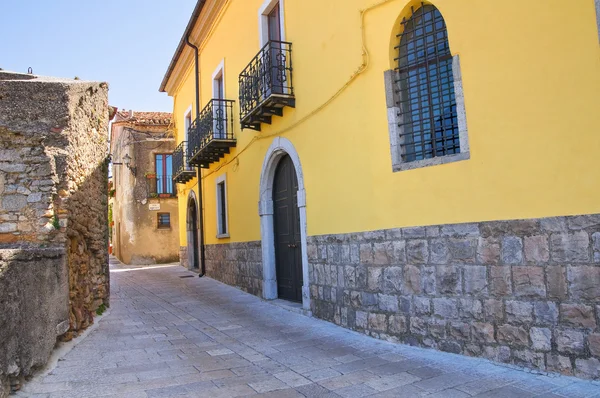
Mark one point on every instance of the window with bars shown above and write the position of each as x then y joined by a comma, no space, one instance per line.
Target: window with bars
164,220
428,121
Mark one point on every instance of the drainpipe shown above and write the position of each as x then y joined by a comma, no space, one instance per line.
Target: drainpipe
202,254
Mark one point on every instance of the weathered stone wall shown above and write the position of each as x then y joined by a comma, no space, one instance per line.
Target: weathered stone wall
525,292
183,257
53,183
237,264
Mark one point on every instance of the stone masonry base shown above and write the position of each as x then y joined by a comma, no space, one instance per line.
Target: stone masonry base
237,264
525,292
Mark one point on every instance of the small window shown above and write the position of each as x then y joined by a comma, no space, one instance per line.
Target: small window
164,220
187,121
222,230
164,173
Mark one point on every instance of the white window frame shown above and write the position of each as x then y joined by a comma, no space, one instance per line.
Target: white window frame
222,179
263,21
218,73
187,112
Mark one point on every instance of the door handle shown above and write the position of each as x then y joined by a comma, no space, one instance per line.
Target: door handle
292,245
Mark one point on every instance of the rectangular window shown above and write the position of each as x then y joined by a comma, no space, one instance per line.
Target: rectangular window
164,173
164,220
222,230
187,121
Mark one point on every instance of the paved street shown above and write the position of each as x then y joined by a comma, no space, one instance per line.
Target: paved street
169,334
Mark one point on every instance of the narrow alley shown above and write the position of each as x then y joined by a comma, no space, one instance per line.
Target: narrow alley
170,333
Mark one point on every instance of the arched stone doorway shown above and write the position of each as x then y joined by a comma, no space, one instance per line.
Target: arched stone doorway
280,149
192,232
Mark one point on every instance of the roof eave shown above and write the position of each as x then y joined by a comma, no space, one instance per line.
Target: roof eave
182,44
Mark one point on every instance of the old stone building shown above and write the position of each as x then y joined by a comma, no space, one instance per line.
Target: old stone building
145,212
53,224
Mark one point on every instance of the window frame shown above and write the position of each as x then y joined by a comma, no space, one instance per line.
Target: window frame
158,219
187,115
222,207
395,121
263,20
164,180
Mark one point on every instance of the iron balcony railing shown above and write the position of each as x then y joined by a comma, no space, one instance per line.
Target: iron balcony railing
161,186
182,171
266,85
211,135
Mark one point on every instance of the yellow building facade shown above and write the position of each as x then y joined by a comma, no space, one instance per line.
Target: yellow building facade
432,165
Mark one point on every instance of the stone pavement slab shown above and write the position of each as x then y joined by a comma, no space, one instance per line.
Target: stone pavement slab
169,335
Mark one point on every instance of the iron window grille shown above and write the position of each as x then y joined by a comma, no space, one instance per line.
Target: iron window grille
425,88
182,171
164,220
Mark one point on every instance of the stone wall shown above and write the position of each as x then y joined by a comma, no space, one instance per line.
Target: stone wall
53,199
525,292
237,264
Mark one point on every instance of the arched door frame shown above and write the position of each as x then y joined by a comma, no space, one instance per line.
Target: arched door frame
191,245
280,147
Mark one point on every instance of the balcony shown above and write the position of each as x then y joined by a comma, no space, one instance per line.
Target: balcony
210,136
161,186
182,171
266,85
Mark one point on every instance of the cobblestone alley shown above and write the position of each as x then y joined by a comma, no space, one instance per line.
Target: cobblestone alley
170,333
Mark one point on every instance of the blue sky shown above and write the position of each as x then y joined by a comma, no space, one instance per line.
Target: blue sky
127,43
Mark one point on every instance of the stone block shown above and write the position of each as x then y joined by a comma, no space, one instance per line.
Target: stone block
459,330
375,278
513,227
594,344
396,252
519,312
445,308
437,328
513,335
439,252
380,253
493,310
417,251
587,368
512,250
428,280
529,282
366,253
422,306
387,303
7,227
488,251
470,229
570,247
556,283
368,300
577,315
584,221
554,224
529,359
536,249
596,246
569,341
361,277
470,309
405,304
377,322
500,281
541,339
414,232
559,363
584,282
463,249
448,279
34,197
392,279
334,254
483,332
418,326
432,231
397,324
14,202
475,280
362,319
355,254
349,276
546,313
412,280
345,254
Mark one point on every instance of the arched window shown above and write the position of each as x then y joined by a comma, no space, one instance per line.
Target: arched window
428,122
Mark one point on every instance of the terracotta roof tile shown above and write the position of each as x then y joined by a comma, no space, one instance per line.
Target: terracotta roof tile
144,118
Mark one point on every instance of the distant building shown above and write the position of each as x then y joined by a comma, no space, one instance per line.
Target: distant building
144,208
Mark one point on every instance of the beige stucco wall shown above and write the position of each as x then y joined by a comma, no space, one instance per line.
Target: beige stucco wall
136,237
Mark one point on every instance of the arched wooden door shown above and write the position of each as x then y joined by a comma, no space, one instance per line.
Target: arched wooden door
192,234
288,262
